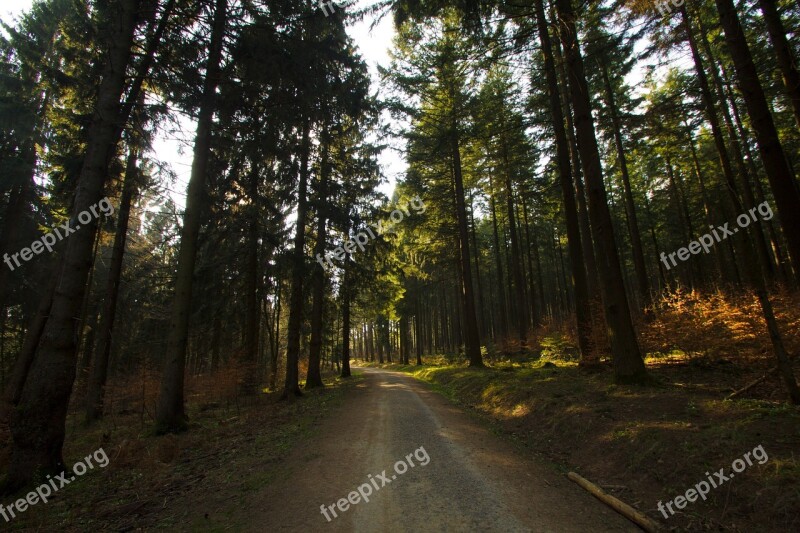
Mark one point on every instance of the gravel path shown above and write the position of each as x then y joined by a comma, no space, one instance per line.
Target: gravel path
470,481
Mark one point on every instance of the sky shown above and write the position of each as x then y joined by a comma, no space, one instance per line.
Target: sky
174,148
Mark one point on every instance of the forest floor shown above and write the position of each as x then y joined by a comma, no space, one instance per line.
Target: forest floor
194,481
644,444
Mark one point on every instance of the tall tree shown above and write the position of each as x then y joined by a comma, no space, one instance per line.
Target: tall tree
170,413
627,358
38,421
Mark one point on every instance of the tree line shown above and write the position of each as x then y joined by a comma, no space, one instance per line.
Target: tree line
552,184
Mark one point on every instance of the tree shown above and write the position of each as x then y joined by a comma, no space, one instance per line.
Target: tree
627,359
38,421
170,414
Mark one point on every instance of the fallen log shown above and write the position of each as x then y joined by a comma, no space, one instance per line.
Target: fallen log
752,384
619,506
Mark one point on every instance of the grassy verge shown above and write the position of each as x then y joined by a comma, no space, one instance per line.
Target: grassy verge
191,481
643,444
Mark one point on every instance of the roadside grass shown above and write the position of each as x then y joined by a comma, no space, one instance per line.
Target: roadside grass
191,481
644,444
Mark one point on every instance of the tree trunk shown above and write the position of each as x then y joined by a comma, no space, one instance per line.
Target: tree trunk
314,378
778,172
38,422
273,367
471,338
95,392
627,359
19,372
252,274
292,383
575,249
475,251
170,414
346,318
518,291
588,246
630,209
738,157
501,289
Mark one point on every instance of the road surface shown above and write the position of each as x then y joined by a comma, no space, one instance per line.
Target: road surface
471,481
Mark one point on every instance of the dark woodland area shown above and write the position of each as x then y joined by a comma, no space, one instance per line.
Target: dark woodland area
577,308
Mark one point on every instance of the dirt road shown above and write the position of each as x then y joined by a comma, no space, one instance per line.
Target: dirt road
472,481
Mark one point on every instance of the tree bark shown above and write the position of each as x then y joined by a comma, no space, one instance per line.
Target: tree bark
346,318
273,367
501,289
780,178
252,322
738,157
519,313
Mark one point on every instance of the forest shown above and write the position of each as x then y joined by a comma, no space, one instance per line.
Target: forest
593,247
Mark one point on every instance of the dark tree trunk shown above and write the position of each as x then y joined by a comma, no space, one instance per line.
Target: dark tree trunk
22,365
520,319
709,106
38,422
582,309
273,366
292,383
588,246
627,359
738,157
501,289
531,274
346,318
314,377
170,413
471,337
252,319
708,210
95,392
630,208
475,251
780,178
